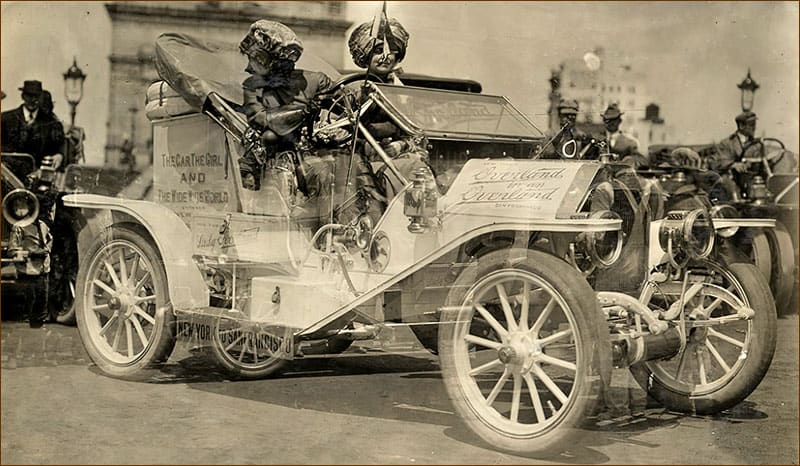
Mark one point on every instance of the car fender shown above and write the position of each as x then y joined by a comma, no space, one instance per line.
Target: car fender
187,289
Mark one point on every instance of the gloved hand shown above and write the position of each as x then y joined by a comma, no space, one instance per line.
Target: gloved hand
54,160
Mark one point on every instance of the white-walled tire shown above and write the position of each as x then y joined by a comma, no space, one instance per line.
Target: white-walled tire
528,384
122,305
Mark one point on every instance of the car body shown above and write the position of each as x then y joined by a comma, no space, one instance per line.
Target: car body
479,252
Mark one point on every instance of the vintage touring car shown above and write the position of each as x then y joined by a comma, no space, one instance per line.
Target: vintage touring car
479,253
38,238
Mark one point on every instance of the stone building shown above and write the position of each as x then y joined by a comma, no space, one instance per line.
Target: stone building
598,79
135,26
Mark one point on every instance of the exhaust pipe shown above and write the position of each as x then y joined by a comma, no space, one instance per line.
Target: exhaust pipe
646,348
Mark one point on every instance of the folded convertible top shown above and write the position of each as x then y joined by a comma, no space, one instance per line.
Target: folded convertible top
196,67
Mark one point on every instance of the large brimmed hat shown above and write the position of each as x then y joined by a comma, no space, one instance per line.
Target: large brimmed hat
273,39
568,106
361,44
32,87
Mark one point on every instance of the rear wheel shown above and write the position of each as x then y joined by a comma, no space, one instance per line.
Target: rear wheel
121,310
723,362
247,349
530,382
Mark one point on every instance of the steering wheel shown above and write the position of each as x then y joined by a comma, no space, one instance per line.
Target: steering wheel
334,102
769,149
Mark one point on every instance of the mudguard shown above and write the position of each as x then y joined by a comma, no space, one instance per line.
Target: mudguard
186,286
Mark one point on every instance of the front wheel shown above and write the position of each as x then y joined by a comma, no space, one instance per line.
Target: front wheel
526,385
722,362
121,310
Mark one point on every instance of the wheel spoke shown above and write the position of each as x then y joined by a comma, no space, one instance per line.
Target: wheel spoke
554,337
483,342
237,340
140,312
117,334
723,337
492,321
681,364
524,305
108,325
547,359
537,402
244,349
134,269
515,398
100,284
501,293
713,306
129,337
548,382
123,269
485,367
717,356
537,326
112,273
501,382
254,347
141,281
701,367
140,332
140,299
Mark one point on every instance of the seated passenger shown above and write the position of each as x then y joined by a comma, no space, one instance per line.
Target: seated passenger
279,102
380,57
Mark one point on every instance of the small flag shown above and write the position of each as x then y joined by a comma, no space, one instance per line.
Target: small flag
379,17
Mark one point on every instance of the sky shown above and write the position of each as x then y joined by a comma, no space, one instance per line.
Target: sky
692,53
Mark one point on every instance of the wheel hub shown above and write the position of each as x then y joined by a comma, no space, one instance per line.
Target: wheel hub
520,352
123,303
506,354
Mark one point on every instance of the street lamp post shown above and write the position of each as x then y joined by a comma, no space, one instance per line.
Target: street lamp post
748,87
73,87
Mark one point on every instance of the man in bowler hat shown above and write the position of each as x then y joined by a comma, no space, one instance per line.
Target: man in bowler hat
624,145
32,130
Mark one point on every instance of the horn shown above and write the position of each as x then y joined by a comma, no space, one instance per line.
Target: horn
20,207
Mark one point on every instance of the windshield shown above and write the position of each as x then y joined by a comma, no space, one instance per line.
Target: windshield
450,114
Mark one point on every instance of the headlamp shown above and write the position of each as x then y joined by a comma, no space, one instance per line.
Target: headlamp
686,235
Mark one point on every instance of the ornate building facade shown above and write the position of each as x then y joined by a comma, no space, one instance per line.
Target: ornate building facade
135,26
598,79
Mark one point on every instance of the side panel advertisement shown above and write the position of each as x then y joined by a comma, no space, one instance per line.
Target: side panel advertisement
191,174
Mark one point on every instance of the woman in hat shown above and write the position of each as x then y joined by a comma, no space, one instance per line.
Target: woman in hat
380,55
279,102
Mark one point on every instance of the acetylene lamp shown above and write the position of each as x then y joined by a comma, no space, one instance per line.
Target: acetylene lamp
421,200
686,235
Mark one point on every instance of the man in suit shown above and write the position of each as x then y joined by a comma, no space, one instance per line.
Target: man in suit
568,142
32,130
619,142
730,150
